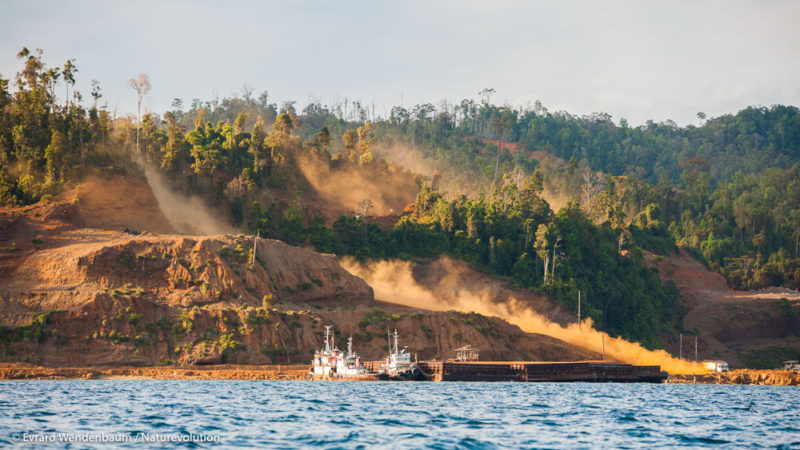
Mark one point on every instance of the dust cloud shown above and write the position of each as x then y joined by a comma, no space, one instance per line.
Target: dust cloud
452,182
393,282
406,156
187,215
554,198
347,187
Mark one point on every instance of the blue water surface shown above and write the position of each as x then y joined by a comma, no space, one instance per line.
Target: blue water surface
290,414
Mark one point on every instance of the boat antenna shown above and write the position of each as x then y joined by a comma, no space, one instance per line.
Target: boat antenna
327,338
350,346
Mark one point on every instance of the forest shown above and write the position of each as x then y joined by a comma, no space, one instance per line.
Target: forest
727,190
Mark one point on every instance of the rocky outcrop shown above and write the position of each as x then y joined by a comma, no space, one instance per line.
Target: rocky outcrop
176,270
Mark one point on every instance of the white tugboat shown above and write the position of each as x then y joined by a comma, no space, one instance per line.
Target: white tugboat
331,363
398,365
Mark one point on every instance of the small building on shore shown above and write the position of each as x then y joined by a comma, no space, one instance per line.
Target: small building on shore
466,353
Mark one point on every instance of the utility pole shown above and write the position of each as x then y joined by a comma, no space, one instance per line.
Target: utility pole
604,346
579,309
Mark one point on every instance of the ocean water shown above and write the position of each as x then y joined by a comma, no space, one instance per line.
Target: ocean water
290,414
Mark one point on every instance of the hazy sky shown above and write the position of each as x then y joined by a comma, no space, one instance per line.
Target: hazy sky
634,59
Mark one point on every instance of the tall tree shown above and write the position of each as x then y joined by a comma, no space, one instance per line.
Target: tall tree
69,76
96,93
141,84
257,144
542,245
502,122
350,139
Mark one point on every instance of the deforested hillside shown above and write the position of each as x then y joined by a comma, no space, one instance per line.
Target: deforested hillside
756,329
74,295
557,206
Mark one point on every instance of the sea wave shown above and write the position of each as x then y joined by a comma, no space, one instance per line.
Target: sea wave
406,415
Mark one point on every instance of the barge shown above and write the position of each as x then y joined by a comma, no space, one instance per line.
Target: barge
332,363
582,371
585,371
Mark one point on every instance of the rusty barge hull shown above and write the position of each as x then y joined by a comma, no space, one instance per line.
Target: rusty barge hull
542,372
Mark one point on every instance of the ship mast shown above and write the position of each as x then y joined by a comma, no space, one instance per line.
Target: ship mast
327,338
350,347
396,347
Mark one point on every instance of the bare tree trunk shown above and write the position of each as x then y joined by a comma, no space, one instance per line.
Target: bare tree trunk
496,164
285,349
546,263
527,236
80,138
553,268
138,119
141,84
255,249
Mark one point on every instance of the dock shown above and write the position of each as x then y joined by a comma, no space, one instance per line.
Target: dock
584,371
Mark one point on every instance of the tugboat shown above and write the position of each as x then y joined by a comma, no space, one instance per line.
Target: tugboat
331,363
398,365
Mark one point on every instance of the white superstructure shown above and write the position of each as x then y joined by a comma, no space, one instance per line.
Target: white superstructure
398,363
330,362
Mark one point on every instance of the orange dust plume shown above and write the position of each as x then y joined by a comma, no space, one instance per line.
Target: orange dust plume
347,187
393,282
187,215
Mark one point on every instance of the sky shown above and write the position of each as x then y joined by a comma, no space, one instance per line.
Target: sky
638,60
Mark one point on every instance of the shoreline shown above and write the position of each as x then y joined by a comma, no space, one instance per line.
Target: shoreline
299,372
767,377
212,372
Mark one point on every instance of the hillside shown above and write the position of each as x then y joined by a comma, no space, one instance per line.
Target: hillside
757,329
79,295
99,296
516,213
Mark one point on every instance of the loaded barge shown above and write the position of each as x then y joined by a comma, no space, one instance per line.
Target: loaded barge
588,371
585,371
331,363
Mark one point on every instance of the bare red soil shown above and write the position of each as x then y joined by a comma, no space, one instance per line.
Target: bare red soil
76,291
729,324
